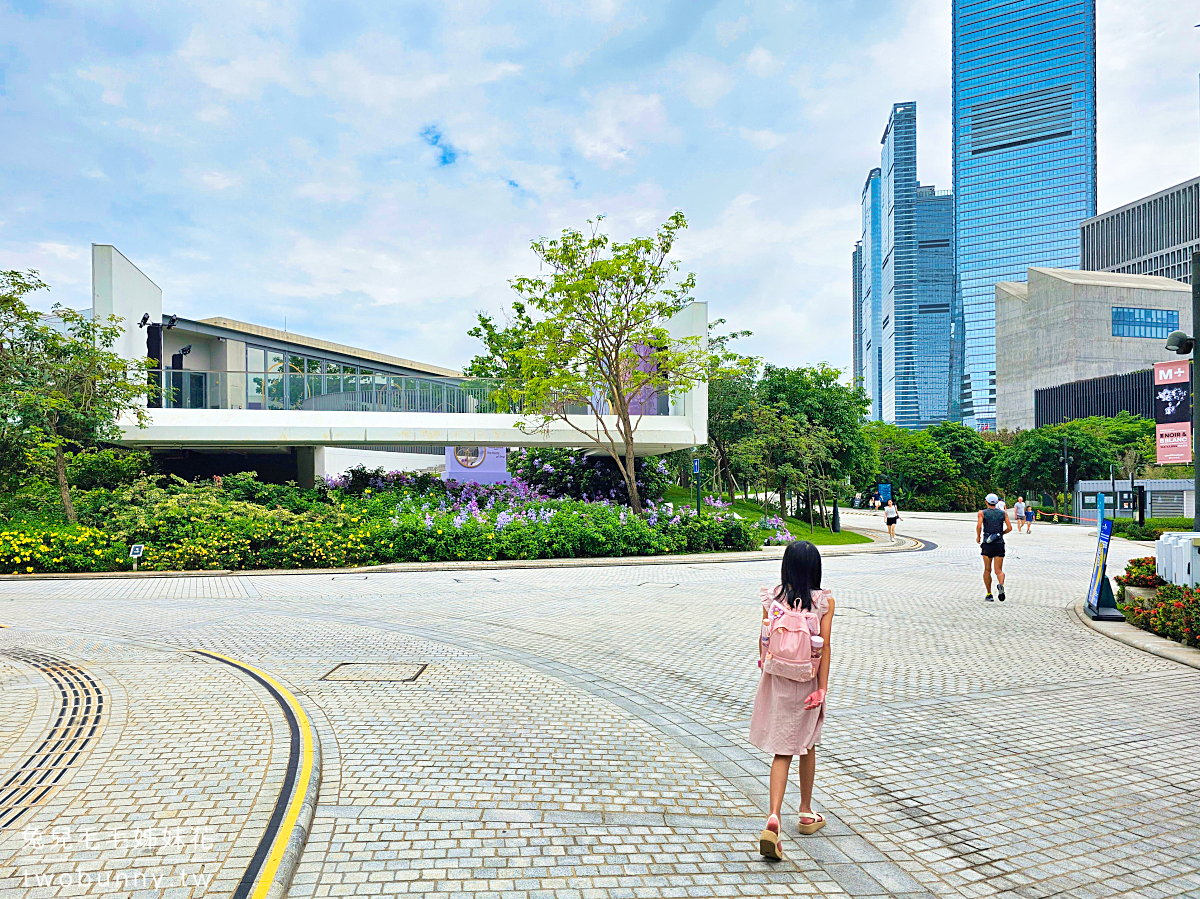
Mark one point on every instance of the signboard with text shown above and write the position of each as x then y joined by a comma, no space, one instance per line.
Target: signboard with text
1173,411
1104,535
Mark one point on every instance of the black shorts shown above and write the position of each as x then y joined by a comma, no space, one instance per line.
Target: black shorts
994,549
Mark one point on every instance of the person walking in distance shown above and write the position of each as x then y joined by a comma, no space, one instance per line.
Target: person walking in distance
890,516
991,524
789,708
1018,512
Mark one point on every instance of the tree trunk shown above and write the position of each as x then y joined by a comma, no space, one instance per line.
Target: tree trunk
60,470
808,502
630,472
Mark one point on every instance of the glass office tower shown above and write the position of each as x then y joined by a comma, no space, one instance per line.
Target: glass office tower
918,282
872,292
856,311
1024,157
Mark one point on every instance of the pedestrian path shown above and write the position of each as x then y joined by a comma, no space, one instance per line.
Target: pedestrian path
581,732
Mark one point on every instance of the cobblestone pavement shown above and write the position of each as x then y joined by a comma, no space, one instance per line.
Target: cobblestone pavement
581,732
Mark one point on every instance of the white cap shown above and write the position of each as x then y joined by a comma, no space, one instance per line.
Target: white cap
991,499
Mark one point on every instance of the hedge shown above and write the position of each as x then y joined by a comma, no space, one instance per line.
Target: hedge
1153,529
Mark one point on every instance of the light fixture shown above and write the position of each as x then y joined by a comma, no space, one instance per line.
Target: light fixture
171,320
187,349
145,319
1179,342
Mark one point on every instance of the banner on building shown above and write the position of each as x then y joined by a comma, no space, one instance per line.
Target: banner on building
1173,411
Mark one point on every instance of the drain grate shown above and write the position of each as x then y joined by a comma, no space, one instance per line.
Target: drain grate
80,710
396,672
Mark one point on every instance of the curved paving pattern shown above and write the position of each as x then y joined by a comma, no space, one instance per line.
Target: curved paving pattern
174,791
581,732
72,734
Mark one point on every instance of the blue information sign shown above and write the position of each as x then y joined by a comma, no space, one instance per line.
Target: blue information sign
695,466
1104,532
885,492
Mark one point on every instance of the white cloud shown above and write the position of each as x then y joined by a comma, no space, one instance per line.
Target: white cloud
217,180
620,122
728,32
765,139
762,63
704,80
113,82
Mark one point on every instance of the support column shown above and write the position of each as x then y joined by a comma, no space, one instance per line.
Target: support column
310,466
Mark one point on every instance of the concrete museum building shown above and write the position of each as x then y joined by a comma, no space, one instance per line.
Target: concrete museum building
1076,343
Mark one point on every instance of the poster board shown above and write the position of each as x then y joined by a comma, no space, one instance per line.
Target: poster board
1173,412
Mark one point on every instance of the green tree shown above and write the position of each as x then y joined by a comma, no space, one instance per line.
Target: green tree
62,387
502,344
600,344
1122,430
817,395
771,449
971,453
913,463
1032,464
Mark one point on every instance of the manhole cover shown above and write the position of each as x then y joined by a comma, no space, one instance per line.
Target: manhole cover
402,672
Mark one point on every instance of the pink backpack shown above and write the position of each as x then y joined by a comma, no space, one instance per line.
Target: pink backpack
793,644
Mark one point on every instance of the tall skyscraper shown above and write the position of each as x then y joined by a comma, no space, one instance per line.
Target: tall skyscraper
1024,157
904,284
856,309
872,292
917,286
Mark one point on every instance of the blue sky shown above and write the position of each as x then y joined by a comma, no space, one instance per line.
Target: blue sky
375,172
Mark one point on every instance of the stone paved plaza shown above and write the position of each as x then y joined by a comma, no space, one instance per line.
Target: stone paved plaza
580,732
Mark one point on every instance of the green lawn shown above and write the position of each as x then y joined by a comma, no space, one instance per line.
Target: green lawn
753,512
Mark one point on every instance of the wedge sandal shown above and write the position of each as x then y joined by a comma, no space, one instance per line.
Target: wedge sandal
770,843
815,822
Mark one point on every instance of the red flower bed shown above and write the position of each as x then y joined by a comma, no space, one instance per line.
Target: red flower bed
1174,613
1140,573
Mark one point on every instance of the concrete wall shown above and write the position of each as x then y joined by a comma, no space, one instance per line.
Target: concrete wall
1057,328
119,288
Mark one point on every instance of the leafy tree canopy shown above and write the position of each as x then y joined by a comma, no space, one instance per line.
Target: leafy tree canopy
818,396
911,461
1032,464
599,342
971,453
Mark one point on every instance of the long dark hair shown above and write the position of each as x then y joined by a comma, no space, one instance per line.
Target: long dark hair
800,574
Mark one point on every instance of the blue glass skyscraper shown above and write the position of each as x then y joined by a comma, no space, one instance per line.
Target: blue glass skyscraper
918,282
871,319
1024,157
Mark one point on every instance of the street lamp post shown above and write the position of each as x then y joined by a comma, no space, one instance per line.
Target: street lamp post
1066,461
1182,344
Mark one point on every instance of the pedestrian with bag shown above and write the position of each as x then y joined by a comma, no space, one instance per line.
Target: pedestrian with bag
789,708
991,524
890,516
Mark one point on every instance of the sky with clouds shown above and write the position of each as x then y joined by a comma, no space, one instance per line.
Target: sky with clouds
374,173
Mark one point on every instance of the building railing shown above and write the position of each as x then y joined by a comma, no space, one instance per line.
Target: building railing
191,389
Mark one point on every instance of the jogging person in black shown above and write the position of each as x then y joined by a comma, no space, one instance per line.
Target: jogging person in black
991,524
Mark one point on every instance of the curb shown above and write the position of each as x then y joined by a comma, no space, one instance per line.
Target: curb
270,871
768,553
1126,633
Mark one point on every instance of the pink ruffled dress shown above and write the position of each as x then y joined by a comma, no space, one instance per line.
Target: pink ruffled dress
780,724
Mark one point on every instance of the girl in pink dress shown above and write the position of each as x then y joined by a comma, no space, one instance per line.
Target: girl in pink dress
789,707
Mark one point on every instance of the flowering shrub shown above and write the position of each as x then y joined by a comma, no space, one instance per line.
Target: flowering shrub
1174,613
572,474
60,549
779,527
236,523
1140,573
